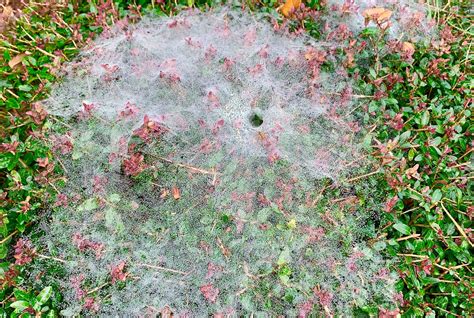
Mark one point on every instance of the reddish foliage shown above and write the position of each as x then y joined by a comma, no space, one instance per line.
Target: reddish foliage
263,53
37,113
99,183
169,71
385,313
9,276
205,146
257,69
88,107
304,309
250,37
210,52
228,63
447,34
62,143
76,282
382,274
61,200
149,129
84,244
213,269
191,42
217,126
315,234
24,252
390,204
352,261
341,33
324,297
129,110
209,292
42,162
213,99
90,304
11,148
398,298
134,165
116,272
110,68
25,204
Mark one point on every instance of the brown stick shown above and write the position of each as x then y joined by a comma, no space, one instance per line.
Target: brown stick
163,269
407,237
460,229
363,176
213,172
50,257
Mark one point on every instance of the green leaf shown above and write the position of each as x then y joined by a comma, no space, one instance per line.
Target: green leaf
20,305
405,136
113,220
425,118
76,155
114,197
88,205
380,245
21,295
372,73
3,250
44,295
436,196
402,228
284,257
25,88
436,141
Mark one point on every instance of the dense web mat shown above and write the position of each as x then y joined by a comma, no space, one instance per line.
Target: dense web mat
196,149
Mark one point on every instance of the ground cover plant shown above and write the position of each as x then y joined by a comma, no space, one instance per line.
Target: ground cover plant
405,95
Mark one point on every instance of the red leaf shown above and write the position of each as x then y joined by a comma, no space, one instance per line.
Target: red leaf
117,272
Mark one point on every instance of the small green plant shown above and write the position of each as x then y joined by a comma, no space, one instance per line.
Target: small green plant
38,305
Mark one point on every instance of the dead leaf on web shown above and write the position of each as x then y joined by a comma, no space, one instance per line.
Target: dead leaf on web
166,312
164,193
408,47
290,6
16,60
378,15
176,193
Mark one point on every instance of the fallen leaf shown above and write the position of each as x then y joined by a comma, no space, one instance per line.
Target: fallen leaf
408,47
16,60
412,172
164,194
378,15
315,55
166,312
290,6
176,193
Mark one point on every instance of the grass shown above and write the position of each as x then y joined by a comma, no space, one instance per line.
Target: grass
421,133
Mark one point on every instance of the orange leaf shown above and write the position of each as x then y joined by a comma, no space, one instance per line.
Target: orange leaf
378,15
290,6
176,193
407,47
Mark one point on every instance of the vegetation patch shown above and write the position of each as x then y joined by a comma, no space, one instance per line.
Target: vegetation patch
286,233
